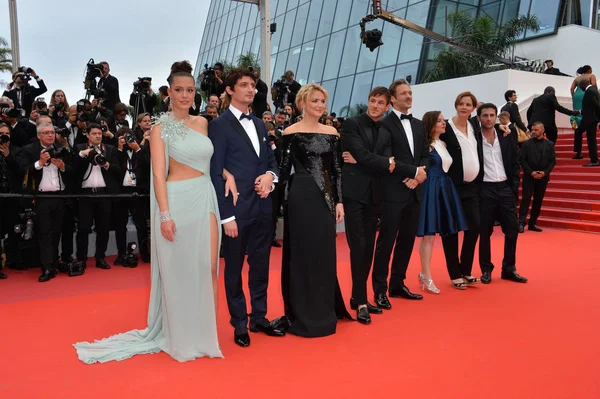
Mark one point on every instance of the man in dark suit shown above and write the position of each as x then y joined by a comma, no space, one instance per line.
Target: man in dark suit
590,117
537,158
259,105
513,109
294,88
550,70
111,85
367,147
401,197
22,93
46,172
240,147
95,176
497,195
543,109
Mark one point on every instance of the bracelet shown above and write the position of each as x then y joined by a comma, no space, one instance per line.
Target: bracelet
165,216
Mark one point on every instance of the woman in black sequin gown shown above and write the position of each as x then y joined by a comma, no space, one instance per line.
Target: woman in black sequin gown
312,295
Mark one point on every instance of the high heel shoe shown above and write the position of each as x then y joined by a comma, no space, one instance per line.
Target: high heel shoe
471,280
427,284
462,285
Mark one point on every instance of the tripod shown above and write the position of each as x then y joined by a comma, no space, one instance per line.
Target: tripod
139,101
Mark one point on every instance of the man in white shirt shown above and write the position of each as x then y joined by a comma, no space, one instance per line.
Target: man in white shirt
497,196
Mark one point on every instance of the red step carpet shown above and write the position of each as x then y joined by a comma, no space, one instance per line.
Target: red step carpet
503,340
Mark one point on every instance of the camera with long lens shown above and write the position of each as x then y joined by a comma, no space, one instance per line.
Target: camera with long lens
83,117
25,229
130,259
57,152
209,73
280,94
8,112
129,138
4,139
64,132
93,70
96,157
142,84
59,106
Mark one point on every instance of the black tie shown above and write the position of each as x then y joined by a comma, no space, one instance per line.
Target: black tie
245,116
375,129
409,117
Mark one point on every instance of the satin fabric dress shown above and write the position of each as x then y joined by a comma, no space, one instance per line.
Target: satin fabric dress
312,295
181,313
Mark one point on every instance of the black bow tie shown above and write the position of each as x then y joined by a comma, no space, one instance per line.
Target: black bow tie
409,117
245,116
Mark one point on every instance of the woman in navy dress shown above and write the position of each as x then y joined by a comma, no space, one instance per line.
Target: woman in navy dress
441,209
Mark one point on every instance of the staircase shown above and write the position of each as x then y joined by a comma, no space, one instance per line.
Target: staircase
572,199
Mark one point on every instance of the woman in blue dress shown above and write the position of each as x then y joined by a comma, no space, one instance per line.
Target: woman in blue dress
185,240
441,209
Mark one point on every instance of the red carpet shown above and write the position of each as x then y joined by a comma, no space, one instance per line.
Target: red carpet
505,340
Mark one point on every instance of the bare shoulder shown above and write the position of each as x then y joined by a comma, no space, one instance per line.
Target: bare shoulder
198,123
329,130
291,129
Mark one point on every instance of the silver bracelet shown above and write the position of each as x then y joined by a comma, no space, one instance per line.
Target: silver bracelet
165,216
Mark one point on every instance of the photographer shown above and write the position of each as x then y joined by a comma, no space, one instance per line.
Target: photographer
211,80
212,111
285,89
75,128
110,84
142,130
10,182
135,160
108,137
163,93
142,97
21,92
47,166
120,118
97,171
59,108
259,105
21,131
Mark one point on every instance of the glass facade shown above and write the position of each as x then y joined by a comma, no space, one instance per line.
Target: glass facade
320,39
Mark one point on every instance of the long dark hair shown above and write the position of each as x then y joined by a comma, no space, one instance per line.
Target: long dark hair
430,119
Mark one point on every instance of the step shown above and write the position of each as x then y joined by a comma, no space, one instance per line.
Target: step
574,185
575,168
571,214
568,224
568,154
571,194
581,177
570,204
573,162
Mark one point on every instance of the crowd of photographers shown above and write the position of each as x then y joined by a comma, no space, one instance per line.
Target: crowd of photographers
67,170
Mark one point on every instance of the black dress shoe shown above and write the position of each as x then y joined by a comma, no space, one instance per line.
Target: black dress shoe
118,261
382,301
372,309
513,276
101,264
3,276
405,293
592,164
521,228
362,316
578,156
241,338
47,275
282,323
268,329
533,227
486,277
275,244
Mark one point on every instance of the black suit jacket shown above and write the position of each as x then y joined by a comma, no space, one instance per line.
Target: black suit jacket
29,156
394,190
456,171
14,171
140,162
510,159
29,95
590,110
111,85
543,109
259,105
113,176
23,133
537,155
357,138
515,116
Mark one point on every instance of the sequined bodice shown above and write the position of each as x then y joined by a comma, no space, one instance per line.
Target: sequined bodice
317,155
185,145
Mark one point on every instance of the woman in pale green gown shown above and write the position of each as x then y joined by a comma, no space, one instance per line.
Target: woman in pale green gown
185,241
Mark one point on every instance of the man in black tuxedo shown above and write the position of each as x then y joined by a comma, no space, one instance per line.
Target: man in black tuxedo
497,195
240,147
367,147
22,93
543,109
111,85
590,117
259,105
513,110
47,172
537,158
95,176
401,197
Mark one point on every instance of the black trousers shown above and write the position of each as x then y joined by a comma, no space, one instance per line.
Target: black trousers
254,237
590,132
552,134
10,209
96,212
463,265
361,227
139,209
537,188
397,232
68,230
578,140
497,199
49,214
277,198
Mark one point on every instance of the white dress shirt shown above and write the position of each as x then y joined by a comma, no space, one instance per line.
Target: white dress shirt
409,134
51,180
468,149
493,164
73,129
94,176
129,180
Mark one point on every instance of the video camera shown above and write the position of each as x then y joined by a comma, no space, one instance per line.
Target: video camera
96,157
142,84
8,112
25,229
282,89
93,71
209,72
26,76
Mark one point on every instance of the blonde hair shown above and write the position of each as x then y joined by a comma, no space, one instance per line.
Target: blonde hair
305,93
142,116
